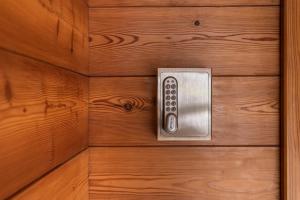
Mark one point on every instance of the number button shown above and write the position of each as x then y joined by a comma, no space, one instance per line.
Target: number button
170,90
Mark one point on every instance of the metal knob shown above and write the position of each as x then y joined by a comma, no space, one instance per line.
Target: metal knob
171,123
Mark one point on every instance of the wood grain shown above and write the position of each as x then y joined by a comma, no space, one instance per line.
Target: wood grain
43,119
230,40
184,173
68,182
291,112
245,111
123,3
54,31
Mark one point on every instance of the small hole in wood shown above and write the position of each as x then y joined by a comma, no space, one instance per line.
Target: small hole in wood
197,23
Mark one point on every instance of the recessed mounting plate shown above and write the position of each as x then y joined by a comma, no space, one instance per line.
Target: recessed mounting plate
190,103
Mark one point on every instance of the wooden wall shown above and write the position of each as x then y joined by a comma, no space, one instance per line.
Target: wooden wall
68,182
239,40
53,31
184,173
135,41
190,3
43,96
47,48
123,111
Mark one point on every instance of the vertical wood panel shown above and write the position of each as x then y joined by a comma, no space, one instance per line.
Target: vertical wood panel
43,119
291,100
68,182
54,31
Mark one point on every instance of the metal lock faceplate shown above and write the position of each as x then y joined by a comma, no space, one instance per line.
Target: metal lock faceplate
184,104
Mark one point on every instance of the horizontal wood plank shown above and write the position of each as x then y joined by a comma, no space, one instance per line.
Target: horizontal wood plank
245,111
43,119
230,40
53,31
184,173
123,3
68,182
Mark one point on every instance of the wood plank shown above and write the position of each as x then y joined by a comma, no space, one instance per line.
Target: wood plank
68,182
230,40
53,31
184,173
123,3
291,111
122,111
43,119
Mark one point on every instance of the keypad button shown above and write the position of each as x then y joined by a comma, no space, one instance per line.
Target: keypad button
170,88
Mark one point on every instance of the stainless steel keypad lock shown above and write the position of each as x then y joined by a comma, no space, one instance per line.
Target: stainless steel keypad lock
170,104
184,104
